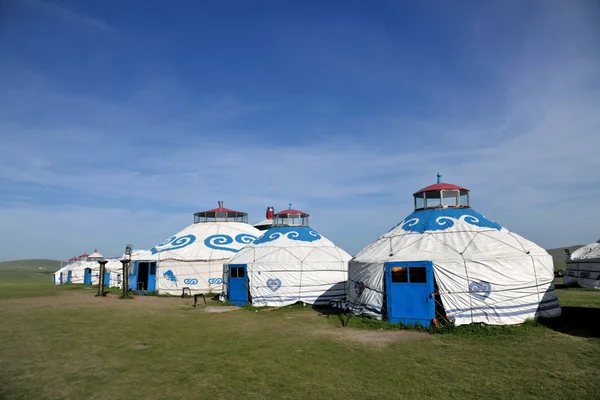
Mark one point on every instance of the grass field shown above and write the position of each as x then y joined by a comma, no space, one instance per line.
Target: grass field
63,343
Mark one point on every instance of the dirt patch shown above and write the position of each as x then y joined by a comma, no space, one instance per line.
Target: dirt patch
88,300
210,309
140,346
373,337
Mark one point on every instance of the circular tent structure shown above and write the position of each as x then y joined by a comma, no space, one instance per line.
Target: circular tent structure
583,267
445,261
289,263
193,258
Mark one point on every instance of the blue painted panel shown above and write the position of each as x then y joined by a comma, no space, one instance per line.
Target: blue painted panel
87,276
238,286
69,273
152,277
410,302
133,271
106,278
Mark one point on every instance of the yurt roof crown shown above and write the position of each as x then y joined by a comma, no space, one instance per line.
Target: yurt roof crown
442,195
290,217
220,214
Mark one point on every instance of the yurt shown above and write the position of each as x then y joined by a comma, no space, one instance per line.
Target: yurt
583,267
289,263
447,262
60,276
82,271
192,260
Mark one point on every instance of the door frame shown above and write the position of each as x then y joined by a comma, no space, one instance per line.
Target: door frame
430,300
246,284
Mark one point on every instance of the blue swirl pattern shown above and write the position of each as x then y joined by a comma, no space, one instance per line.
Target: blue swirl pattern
173,243
301,233
218,241
442,219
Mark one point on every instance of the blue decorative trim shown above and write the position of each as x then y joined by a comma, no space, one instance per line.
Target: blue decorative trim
480,290
442,219
217,241
300,233
174,243
274,284
170,276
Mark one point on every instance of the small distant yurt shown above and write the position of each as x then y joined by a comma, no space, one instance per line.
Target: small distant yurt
289,263
82,271
60,276
583,267
445,261
192,260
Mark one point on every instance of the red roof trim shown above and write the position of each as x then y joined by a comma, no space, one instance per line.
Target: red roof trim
291,212
440,186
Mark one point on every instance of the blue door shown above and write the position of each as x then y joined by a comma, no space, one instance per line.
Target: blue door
106,278
87,276
237,285
69,276
152,277
409,286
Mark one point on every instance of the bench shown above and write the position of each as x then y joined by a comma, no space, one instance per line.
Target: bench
196,299
183,291
336,303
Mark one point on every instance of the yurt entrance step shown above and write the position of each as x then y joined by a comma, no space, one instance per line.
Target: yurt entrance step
408,292
237,288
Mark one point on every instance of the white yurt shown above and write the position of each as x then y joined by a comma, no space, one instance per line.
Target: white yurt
289,263
583,267
194,257
82,271
445,261
61,276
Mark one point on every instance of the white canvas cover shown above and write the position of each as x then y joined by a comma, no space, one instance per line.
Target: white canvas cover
115,268
484,272
63,271
290,264
194,257
78,271
583,267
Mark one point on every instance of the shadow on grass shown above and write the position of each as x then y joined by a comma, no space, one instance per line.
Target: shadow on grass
575,321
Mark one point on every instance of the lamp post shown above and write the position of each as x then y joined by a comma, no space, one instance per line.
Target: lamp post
95,256
125,261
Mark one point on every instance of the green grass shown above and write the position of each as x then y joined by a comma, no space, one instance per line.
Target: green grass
31,264
71,345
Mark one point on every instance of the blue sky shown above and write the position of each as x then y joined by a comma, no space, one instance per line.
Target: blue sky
119,120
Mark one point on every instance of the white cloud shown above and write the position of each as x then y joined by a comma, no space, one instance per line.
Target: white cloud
61,12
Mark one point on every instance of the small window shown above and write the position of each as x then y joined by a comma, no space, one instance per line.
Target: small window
234,272
241,272
418,275
153,269
399,275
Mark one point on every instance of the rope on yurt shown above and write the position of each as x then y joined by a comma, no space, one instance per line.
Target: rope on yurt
464,263
532,263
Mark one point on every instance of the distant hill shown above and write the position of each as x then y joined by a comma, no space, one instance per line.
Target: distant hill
31,265
559,255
